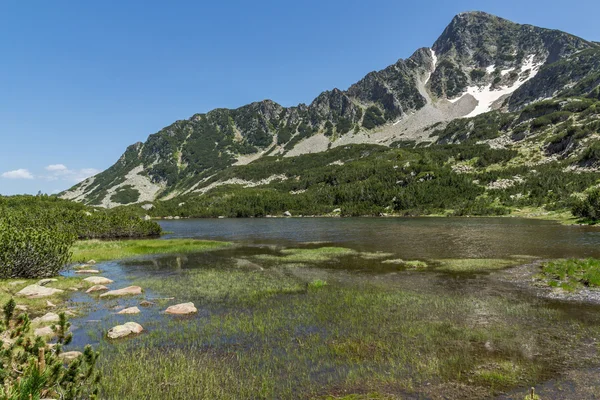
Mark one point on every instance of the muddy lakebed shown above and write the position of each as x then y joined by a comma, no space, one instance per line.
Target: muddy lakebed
421,308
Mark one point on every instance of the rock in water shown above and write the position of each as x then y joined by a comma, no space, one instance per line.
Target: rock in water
126,329
146,303
128,291
130,310
44,332
69,356
182,309
49,317
96,288
87,271
98,280
37,291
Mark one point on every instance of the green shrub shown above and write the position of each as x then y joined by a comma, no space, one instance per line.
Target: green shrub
33,252
588,208
373,117
31,369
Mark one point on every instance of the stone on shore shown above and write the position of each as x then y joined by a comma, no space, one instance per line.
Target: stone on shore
49,304
46,332
130,310
98,280
126,329
69,356
182,309
21,307
48,318
96,288
87,271
37,291
128,291
44,282
91,262
17,283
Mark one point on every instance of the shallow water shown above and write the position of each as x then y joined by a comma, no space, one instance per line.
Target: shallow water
488,305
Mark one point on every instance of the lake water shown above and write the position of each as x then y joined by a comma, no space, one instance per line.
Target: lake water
417,238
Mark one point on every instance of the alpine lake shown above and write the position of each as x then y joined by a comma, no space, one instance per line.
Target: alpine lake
352,308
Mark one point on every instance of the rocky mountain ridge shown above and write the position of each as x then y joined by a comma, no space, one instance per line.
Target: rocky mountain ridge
480,63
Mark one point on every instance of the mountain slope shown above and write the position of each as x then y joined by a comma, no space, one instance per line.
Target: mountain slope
480,63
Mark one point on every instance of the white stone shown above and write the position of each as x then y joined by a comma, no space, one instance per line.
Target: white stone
37,291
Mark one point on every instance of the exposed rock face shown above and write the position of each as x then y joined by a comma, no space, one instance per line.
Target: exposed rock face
182,309
489,61
37,291
98,280
120,331
96,288
128,291
130,310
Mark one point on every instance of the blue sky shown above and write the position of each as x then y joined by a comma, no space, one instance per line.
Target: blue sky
82,80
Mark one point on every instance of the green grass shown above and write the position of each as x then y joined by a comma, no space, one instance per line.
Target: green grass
115,250
572,274
476,264
320,254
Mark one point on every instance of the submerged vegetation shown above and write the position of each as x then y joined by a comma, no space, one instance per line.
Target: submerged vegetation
272,330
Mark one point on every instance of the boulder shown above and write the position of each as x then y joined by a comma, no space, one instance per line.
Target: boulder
126,329
21,307
69,356
337,210
128,291
48,318
130,310
287,214
182,309
46,332
96,288
44,282
49,304
146,303
37,291
98,280
91,262
87,271
17,283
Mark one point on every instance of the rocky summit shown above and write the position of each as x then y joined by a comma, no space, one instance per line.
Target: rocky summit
481,65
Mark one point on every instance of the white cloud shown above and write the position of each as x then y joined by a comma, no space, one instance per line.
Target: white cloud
56,167
62,172
20,173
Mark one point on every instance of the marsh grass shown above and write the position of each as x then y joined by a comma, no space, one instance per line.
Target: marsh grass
572,274
476,264
261,334
116,250
307,255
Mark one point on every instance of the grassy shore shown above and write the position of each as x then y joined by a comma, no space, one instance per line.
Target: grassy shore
572,274
115,250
